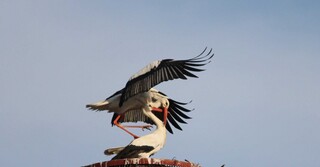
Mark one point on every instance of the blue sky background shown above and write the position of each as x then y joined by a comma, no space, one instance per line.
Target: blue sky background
257,104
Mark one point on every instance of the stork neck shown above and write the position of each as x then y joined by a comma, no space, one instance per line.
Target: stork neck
155,119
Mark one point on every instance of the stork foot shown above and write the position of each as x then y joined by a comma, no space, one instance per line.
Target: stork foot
148,127
135,136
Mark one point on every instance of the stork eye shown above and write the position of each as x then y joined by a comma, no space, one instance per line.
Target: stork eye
153,99
167,104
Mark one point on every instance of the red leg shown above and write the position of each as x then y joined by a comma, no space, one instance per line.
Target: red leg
139,126
121,127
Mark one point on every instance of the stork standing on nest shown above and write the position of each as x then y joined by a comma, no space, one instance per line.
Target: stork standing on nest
147,145
138,90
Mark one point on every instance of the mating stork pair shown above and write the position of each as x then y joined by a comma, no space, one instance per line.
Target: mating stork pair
136,101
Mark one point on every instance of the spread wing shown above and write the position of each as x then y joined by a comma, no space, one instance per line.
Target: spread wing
164,70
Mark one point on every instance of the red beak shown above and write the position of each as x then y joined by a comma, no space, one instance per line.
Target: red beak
165,115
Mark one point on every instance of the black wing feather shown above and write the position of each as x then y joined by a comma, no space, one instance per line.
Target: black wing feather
165,70
173,122
181,114
132,151
177,118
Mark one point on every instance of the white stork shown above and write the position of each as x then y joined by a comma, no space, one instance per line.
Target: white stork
147,145
138,90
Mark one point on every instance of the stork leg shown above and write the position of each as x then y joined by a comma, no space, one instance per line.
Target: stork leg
121,127
139,126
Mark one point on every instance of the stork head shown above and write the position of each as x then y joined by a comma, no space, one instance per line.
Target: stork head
160,104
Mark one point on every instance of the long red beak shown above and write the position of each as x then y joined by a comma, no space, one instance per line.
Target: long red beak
165,115
156,109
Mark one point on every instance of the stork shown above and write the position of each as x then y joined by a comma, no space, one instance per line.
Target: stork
147,145
139,91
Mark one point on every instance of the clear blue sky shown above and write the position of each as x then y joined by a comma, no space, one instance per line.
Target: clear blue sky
257,104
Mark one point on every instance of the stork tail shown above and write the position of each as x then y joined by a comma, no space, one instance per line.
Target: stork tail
111,151
99,106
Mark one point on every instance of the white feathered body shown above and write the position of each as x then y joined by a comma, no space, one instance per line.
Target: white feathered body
156,139
134,103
